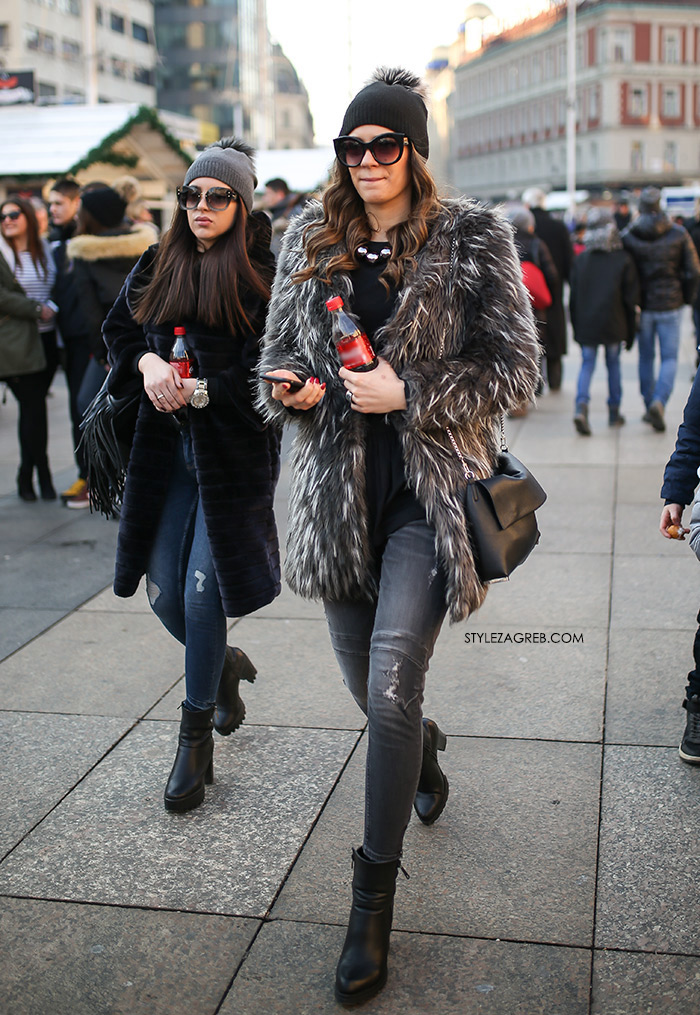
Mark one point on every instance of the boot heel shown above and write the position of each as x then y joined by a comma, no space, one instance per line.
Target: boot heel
440,740
209,774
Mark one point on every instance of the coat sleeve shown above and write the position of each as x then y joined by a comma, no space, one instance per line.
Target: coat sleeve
547,265
124,337
16,304
630,297
694,526
690,269
492,362
680,475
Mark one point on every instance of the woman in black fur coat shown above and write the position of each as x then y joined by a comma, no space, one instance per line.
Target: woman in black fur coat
197,513
377,526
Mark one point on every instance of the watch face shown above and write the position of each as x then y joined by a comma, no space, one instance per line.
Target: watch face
199,399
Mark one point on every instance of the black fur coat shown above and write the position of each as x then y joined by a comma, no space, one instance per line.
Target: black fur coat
464,357
236,454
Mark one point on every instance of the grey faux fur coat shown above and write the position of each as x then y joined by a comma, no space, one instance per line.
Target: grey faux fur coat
464,358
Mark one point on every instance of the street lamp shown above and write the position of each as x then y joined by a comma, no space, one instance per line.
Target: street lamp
571,107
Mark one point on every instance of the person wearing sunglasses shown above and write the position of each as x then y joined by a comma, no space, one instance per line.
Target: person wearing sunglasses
28,345
197,512
377,527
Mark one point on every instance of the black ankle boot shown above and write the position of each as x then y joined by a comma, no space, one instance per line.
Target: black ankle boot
362,967
193,765
230,710
46,487
433,787
25,487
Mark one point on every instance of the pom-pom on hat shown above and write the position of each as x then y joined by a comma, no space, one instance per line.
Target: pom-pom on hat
394,98
105,205
231,161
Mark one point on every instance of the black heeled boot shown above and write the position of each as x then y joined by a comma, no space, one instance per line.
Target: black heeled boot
193,766
25,487
230,710
433,787
362,967
46,487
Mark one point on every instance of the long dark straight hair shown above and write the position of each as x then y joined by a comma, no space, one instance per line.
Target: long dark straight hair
205,287
34,244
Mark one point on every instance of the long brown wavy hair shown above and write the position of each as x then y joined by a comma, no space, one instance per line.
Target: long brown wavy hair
34,244
345,221
206,287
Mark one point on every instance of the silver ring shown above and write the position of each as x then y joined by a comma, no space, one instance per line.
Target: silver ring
349,396
160,396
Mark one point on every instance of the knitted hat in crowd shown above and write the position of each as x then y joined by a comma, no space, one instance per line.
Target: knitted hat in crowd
650,199
393,99
230,161
105,205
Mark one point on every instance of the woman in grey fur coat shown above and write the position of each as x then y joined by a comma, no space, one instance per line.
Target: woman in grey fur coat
377,527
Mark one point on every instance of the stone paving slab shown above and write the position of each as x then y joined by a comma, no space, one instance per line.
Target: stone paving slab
480,683
287,606
298,681
572,592
655,592
588,495
64,959
646,685
43,757
647,873
94,664
643,984
17,627
520,825
545,442
106,602
291,969
638,484
112,841
637,533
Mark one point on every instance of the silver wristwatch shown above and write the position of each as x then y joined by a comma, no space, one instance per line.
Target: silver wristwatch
200,395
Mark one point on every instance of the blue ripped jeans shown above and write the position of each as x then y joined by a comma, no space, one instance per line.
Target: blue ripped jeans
383,650
181,583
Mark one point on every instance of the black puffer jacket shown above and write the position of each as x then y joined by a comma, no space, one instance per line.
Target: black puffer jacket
665,258
604,290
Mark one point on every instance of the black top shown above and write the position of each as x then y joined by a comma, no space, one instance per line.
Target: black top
390,503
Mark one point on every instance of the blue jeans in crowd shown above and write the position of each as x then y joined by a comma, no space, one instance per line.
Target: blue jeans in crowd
383,650
666,324
589,354
181,583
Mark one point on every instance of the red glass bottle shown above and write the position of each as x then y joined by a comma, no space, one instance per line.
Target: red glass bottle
354,348
180,358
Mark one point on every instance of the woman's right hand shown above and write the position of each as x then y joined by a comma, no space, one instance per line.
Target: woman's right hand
162,383
305,398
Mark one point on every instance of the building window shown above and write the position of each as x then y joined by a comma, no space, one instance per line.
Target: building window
671,45
4,36
536,68
671,102
549,63
580,52
118,67
73,7
70,50
637,157
594,154
622,45
144,75
637,101
139,32
671,155
593,107
98,15
73,95
46,91
117,23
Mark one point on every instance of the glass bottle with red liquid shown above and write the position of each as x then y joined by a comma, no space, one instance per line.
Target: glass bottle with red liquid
354,348
180,357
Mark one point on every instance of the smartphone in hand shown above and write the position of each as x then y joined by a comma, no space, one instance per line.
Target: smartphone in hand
293,385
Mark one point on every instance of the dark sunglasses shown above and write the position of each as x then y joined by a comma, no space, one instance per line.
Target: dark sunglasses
217,198
386,149
13,215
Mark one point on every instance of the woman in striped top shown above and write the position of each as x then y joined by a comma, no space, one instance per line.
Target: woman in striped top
28,354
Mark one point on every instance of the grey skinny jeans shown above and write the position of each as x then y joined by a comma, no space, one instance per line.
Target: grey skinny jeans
383,650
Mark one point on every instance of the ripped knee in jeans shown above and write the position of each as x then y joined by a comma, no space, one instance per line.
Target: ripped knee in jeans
152,591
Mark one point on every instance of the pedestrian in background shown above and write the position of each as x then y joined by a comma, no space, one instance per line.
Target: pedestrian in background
282,205
693,226
74,339
27,337
602,303
377,527
100,255
669,271
197,512
556,236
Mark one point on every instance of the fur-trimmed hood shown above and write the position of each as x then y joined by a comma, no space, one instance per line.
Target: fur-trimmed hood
463,340
122,242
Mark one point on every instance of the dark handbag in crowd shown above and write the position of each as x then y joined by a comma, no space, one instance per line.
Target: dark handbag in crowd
108,427
500,514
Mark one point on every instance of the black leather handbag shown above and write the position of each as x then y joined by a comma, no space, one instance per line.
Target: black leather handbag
108,427
500,513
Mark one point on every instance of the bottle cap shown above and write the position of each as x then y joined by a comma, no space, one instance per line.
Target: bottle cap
180,331
334,302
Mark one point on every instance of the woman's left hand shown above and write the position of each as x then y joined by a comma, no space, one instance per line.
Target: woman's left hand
379,390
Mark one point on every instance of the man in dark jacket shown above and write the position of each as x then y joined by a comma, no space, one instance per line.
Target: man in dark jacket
556,236
680,480
669,271
693,227
64,203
